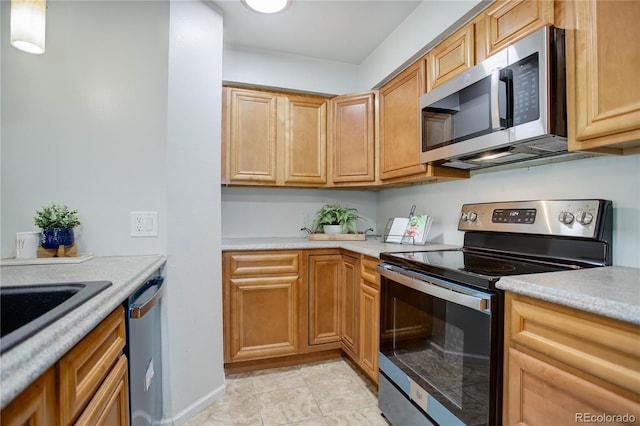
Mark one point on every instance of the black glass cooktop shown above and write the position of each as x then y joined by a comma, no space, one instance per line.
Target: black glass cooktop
469,267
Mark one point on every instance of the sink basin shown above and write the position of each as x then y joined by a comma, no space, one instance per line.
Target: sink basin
25,310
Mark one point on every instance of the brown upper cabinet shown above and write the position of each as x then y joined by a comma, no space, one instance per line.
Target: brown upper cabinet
352,139
400,131
281,139
451,57
400,124
603,84
273,139
507,21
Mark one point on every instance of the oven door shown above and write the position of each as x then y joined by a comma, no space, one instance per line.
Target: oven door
440,345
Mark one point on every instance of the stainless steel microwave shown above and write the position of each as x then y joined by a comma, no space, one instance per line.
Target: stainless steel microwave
510,107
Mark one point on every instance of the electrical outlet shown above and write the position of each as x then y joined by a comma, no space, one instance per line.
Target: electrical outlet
143,224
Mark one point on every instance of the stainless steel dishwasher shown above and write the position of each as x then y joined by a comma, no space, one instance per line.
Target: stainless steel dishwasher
144,351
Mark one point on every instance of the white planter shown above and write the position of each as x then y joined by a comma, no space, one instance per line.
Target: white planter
332,229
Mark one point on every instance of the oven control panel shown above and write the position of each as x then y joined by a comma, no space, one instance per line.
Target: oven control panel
575,218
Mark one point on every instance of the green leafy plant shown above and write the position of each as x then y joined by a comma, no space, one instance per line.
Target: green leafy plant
334,214
56,216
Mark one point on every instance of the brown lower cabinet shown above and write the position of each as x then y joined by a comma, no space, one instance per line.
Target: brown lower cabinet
283,307
87,386
564,366
369,317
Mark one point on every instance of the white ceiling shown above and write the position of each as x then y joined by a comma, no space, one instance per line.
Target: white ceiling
333,30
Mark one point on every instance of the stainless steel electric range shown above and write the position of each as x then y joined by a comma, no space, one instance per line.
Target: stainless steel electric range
441,317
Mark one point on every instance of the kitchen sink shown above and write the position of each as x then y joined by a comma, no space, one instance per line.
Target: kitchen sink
25,310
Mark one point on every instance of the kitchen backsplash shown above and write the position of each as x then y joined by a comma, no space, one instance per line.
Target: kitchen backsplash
266,212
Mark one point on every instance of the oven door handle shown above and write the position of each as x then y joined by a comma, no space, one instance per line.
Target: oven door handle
441,290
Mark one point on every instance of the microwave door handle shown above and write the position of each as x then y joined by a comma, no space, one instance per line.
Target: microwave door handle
501,99
495,99
505,98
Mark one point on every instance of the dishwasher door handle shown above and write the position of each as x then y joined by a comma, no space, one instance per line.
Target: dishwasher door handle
138,311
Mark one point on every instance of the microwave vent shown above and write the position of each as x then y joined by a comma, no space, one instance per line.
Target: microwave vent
550,144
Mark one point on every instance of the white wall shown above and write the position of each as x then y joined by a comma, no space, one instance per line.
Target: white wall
270,69
612,178
278,70
122,113
84,124
193,207
281,212
427,25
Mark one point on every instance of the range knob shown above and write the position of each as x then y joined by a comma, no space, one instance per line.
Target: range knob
584,218
566,217
464,217
472,216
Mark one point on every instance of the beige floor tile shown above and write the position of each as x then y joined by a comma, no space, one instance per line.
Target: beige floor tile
319,421
285,406
230,410
333,371
331,392
363,417
240,384
332,398
277,378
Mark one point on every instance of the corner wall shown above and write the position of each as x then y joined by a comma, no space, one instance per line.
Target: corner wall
194,261
84,124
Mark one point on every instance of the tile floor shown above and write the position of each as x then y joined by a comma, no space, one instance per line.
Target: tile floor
329,392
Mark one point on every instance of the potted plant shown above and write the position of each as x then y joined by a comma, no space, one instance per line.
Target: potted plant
335,219
57,223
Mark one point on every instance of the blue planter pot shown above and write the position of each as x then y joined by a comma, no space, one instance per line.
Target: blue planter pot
52,238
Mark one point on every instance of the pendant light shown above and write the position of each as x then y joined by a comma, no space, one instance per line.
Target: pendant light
266,6
28,22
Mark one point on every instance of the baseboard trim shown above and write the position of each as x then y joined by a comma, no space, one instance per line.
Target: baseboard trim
197,407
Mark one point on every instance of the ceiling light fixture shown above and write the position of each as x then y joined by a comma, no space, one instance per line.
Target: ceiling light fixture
28,22
266,6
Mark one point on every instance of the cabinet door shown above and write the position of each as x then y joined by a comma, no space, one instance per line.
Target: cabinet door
352,138
349,287
251,136
603,87
510,20
451,57
369,328
263,317
324,293
540,394
303,134
36,405
110,405
400,124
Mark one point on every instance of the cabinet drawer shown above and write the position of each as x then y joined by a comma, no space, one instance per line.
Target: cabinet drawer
600,347
541,394
263,263
110,405
368,271
85,367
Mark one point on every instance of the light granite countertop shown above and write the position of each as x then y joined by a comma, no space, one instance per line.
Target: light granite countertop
373,246
611,291
22,364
